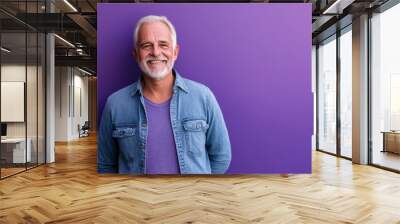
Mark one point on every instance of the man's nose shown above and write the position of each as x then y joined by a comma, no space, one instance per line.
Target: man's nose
156,50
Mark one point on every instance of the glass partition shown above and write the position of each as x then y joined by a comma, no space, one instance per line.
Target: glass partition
327,95
41,96
31,99
13,109
22,64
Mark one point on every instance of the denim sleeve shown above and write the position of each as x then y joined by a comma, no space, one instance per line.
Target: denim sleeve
107,151
217,142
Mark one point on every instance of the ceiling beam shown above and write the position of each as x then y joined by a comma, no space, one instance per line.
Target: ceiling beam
84,61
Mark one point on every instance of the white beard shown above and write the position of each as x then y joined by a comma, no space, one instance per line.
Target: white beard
158,75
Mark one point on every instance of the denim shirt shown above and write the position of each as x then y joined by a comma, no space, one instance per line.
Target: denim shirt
198,126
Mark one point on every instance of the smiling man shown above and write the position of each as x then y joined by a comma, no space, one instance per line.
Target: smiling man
162,123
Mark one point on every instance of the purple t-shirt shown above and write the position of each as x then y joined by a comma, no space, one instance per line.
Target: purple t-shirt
161,157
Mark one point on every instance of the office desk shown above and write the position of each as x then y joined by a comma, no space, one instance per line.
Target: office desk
391,141
13,150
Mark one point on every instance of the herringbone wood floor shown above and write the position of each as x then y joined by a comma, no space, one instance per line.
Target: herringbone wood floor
70,191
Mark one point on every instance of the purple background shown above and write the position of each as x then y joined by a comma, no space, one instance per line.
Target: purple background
256,58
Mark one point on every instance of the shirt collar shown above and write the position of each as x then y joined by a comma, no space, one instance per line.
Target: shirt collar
179,83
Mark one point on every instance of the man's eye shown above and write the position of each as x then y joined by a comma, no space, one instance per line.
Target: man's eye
146,46
165,46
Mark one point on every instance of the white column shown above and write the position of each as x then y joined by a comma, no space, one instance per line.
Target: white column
50,92
360,90
50,100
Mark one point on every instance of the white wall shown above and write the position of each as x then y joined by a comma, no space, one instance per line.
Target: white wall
62,81
70,83
79,102
14,72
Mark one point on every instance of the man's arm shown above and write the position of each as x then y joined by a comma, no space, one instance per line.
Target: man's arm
107,151
217,143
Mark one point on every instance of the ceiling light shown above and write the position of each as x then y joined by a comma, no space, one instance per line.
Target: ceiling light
5,50
84,71
65,41
70,5
338,6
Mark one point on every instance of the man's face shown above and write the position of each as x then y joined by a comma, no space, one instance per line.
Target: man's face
154,50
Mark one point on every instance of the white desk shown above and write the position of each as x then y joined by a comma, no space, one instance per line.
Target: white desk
18,145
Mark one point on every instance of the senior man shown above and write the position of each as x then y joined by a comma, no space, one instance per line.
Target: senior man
162,123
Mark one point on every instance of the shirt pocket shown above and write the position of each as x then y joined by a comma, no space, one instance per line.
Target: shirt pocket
125,136
195,135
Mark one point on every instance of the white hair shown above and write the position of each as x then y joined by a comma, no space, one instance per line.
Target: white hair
152,19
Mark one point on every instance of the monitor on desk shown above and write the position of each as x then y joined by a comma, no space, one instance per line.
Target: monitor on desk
3,130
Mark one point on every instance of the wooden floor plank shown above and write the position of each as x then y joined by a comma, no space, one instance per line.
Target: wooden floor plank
70,191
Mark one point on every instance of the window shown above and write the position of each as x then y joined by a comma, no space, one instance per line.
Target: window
385,88
327,95
346,92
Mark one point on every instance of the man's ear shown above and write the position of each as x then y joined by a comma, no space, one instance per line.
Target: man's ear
176,51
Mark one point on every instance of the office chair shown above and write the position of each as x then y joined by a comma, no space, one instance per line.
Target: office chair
84,130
